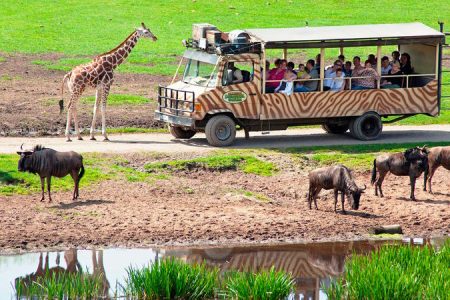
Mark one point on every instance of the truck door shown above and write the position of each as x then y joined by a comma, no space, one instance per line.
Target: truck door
240,80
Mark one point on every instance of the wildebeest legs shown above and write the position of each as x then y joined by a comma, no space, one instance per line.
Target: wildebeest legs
313,193
342,202
378,184
49,180
74,175
336,194
427,178
413,185
42,188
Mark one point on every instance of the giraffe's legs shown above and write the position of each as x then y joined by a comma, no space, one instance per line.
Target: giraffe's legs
75,120
104,98
98,98
69,113
72,112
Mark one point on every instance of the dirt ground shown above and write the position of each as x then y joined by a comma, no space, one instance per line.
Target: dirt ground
29,97
209,208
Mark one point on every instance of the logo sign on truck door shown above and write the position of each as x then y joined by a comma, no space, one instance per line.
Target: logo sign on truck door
234,97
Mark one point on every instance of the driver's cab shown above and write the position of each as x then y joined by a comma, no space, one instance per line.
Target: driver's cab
211,82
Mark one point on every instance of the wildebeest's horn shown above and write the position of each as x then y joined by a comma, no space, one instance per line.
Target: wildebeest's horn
365,187
21,147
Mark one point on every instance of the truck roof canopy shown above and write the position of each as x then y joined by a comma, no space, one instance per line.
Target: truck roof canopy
346,36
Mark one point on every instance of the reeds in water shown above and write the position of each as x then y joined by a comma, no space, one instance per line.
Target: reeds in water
396,272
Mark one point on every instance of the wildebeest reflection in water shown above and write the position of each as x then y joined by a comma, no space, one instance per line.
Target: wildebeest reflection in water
72,266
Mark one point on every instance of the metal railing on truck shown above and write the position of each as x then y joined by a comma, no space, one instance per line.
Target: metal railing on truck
174,101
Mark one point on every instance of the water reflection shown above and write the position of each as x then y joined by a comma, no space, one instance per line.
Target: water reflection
72,266
311,265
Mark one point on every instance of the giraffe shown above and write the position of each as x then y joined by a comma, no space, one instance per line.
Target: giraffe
99,73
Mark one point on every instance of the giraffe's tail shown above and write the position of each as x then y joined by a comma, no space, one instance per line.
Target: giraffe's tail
61,102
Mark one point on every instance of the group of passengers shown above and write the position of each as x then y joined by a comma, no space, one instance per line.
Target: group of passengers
284,78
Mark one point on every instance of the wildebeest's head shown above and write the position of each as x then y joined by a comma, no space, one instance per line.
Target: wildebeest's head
24,156
416,153
354,197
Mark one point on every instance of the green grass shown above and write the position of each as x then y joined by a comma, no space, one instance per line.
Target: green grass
353,156
87,28
253,195
62,286
98,168
222,162
395,272
265,285
120,99
2,59
171,279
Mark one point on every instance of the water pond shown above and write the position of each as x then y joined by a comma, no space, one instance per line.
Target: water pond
312,265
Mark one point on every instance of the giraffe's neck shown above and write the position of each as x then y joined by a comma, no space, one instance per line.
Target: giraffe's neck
121,52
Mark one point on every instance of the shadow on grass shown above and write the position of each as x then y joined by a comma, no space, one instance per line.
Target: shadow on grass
81,203
7,178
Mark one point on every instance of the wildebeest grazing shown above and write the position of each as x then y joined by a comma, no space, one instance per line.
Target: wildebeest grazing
413,162
338,178
47,162
438,156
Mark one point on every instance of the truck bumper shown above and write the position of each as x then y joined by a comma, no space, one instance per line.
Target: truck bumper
174,120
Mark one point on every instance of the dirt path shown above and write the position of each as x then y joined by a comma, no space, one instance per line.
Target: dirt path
277,139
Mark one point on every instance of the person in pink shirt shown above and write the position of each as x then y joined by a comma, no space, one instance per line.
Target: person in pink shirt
277,74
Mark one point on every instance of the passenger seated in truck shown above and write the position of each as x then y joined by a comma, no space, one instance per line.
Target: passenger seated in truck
338,81
385,65
395,57
357,71
234,74
370,78
405,64
393,82
310,85
286,86
276,74
330,73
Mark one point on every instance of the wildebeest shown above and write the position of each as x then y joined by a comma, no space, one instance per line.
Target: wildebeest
438,156
413,162
47,162
338,178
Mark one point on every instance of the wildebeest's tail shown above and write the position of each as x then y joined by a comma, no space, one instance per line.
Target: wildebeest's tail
374,171
81,171
61,102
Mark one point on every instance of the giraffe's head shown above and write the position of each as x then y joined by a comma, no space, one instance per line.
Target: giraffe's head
145,32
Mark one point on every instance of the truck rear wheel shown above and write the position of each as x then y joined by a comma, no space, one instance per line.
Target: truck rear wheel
366,127
335,128
220,131
181,133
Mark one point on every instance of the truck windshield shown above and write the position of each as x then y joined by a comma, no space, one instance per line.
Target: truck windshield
198,73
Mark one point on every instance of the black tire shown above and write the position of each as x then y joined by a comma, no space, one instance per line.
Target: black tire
181,133
335,128
366,127
220,131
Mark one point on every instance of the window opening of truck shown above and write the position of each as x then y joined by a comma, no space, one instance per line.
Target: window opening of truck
200,73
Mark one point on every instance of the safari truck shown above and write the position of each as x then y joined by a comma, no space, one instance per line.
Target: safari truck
208,98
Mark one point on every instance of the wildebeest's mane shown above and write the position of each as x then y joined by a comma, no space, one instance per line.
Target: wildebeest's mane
38,148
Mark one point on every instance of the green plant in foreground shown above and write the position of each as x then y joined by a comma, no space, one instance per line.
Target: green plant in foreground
395,272
267,285
63,285
171,278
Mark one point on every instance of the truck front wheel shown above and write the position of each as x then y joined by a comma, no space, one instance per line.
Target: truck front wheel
181,133
220,131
